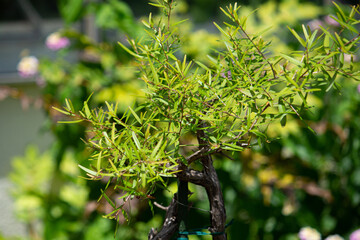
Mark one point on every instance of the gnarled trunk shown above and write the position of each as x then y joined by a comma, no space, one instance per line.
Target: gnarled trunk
206,178
209,180
217,207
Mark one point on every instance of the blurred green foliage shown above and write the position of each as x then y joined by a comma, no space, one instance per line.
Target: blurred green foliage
305,179
43,201
302,179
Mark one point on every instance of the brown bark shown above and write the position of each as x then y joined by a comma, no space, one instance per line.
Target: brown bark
170,225
209,180
217,207
213,190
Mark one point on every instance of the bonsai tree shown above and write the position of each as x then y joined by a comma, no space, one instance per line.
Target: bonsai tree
223,108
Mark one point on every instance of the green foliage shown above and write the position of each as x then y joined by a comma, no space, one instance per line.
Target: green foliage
109,15
8,238
137,134
243,95
115,15
233,99
71,10
333,157
272,17
306,180
35,190
50,197
30,176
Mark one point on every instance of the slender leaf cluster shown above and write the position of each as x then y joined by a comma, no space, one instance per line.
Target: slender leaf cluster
232,101
130,149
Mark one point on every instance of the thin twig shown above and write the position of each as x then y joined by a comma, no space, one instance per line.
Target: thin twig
161,206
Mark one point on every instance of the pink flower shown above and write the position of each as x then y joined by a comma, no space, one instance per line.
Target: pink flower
55,41
28,66
315,24
356,234
358,88
308,233
334,237
331,21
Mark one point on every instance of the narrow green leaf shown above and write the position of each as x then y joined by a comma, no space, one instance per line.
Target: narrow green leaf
346,25
98,165
70,121
145,24
221,30
232,147
340,41
88,170
226,13
291,59
88,99
327,44
283,120
163,101
129,51
157,5
154,152
69,105
259,134
108,199
62,111
202,65
136,140
135,115
332,81
107,139
291,80
113,165
172,56
281,106
305,32
340,10
143,176
301,41
154,72
95,144
120,122
179,22
151,22
87,110
327,33
113,129
110,109
311,39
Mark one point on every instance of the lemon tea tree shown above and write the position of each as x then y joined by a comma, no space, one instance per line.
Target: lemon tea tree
226,106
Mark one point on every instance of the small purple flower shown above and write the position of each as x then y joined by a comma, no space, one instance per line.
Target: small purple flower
55,41
228,75
308,233
28,66
358,88
356,234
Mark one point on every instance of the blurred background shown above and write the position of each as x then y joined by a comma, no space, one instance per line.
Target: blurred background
300,179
